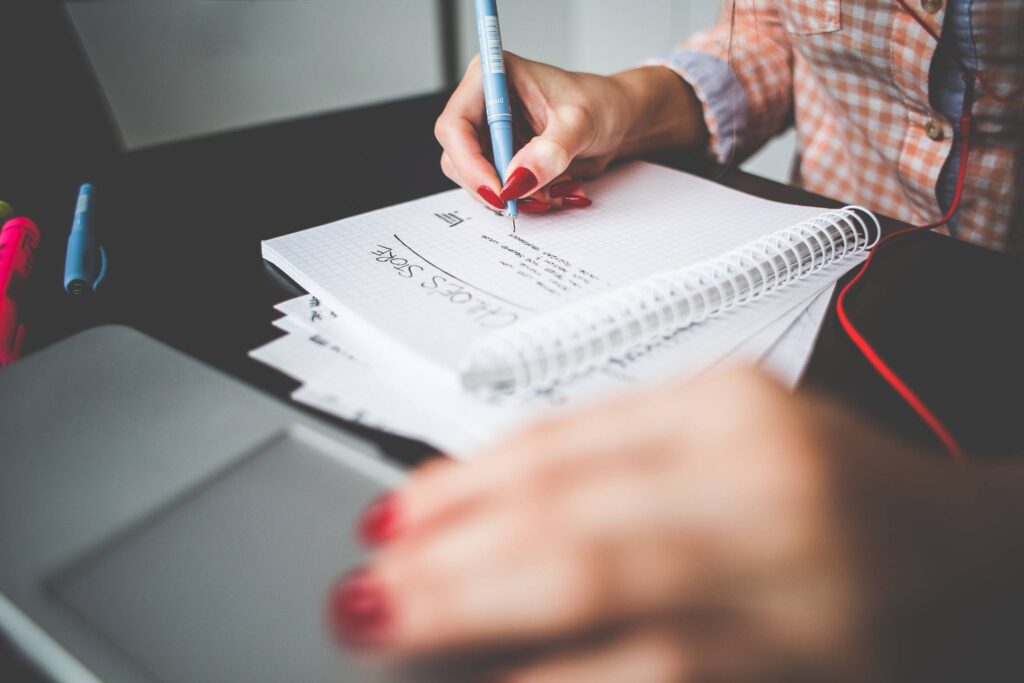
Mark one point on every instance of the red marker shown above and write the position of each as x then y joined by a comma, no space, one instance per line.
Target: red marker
19,240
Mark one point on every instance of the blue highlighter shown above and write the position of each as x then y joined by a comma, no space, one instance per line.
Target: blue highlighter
85,264
499,107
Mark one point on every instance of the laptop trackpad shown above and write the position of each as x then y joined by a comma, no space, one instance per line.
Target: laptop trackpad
228,583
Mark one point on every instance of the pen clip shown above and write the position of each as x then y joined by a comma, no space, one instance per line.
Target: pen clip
103,268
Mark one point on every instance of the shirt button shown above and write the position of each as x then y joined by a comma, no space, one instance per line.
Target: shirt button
931,6
934,130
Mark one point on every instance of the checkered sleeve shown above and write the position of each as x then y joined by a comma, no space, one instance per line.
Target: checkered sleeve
720,93
742,71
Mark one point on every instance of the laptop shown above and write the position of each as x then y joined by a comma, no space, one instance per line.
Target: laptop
160,521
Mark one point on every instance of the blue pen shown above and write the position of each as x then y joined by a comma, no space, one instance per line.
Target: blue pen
499,108
85,265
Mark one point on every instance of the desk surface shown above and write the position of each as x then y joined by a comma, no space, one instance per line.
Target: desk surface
183,223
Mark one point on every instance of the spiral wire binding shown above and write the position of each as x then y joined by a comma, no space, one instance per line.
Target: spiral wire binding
583,336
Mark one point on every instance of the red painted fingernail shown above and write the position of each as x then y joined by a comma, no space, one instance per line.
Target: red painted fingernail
519,183
358,610
490,197
566,187
575,201
380,522
531,205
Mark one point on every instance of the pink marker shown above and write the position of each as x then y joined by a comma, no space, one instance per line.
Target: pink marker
19,240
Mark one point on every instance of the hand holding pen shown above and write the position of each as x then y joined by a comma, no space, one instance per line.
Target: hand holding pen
567,126
536,174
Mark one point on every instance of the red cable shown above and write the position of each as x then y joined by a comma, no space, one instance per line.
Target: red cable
867,350
872,356
862,344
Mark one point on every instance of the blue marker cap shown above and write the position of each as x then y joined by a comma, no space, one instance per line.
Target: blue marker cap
85,265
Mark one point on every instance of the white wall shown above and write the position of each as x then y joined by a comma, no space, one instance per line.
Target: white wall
601,36
173,69
177,68
604,36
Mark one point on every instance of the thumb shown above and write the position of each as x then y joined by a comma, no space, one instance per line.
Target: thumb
568,132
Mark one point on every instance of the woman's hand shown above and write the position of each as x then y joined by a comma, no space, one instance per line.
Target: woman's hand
719,531
569,126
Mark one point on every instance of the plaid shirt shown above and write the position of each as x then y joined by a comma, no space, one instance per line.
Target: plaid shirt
854,77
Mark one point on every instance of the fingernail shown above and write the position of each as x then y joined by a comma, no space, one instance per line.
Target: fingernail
531,205
380,521
575,201
487,194
519,183
566,187
358,610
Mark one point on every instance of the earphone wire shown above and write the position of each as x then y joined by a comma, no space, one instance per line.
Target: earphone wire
972,77
940,430
944,435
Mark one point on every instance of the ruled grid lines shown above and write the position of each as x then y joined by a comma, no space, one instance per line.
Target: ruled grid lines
646,219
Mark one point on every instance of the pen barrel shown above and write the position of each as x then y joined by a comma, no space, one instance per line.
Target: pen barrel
496,98
496,94
492,62
503,149
83,210
501,145
80,259
19,240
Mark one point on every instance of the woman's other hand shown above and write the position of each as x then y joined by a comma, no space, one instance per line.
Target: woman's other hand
569,126
722,530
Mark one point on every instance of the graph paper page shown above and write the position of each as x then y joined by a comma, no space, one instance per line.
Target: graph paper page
320,352
432,274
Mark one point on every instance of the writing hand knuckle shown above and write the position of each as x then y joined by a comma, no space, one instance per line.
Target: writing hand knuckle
442,128
562,157
557,154
574,115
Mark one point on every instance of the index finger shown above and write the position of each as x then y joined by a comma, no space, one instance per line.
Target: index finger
596,436
459,129
600,434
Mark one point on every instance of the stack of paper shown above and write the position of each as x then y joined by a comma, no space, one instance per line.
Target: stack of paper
397,294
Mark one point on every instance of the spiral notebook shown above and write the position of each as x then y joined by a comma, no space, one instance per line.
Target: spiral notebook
335,380
662,277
